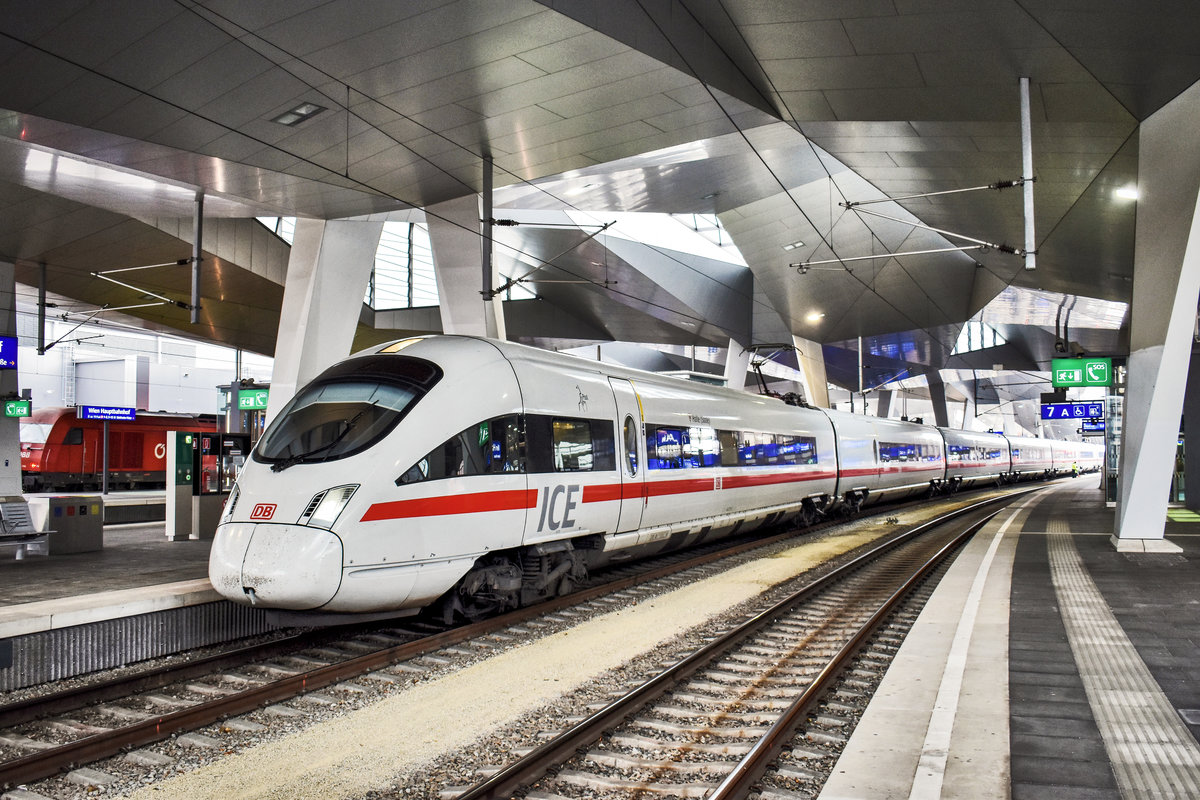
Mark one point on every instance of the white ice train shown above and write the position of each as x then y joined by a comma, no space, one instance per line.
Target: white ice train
485,475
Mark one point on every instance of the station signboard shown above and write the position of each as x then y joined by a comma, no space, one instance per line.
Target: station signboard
18,408
1092,426
1093,410
107,413
253,400
1081,371
8,352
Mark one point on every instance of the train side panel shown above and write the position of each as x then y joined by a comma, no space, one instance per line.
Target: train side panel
571,439
885,459
1031,458
973,457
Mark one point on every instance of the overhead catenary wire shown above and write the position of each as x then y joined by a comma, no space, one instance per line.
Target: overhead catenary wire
252,35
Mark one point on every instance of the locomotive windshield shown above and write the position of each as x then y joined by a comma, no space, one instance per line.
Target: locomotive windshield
345,410
35,432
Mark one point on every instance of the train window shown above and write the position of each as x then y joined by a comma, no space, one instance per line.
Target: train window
34,432
729,448
630,438
797,449
327,421
958,452
561,444
908,452
572,445
664,447
489,447
703,448
756,449
74,436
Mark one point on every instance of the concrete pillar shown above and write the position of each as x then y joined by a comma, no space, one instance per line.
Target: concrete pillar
812,369
1166,284
10,427
327,276
883,403
937,395
455,237
1191,423
737,363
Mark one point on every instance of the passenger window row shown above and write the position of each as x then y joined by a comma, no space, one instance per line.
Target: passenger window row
908,452
963,452
697,447
519,443
538,443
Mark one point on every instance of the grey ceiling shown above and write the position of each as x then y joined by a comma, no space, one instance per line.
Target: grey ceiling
766,113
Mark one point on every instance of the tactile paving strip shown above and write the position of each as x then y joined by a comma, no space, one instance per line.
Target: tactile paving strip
1153,754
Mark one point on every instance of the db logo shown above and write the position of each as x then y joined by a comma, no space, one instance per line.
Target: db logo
263,511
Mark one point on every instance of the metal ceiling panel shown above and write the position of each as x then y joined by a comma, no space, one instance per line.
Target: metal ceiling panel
682,106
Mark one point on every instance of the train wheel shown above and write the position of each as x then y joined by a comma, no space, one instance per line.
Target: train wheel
552,574
493,586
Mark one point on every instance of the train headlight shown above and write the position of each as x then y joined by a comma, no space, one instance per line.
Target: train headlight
227,514
323,510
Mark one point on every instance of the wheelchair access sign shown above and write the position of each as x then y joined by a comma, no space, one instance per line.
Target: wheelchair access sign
1081,372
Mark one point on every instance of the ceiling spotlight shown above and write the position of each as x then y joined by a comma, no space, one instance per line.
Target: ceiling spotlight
1127,193
814,316
793,245
302,112
710,195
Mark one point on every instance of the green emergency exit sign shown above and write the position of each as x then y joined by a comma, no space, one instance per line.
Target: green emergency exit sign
253,400
18,408
1081,372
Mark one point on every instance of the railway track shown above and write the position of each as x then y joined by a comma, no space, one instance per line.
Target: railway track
45,736
713,723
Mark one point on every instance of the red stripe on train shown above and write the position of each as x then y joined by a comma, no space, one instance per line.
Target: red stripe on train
510,500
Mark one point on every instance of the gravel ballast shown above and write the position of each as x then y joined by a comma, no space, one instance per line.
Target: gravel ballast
365,749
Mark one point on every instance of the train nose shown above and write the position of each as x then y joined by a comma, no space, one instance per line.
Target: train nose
276,566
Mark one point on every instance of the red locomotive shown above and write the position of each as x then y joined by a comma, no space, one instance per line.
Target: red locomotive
60,452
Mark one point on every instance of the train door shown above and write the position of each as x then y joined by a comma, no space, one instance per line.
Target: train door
631,453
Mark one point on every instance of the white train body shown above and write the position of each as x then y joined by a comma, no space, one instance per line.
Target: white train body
503,472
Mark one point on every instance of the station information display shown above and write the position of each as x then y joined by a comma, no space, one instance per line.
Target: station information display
8,352
1092,410
107,413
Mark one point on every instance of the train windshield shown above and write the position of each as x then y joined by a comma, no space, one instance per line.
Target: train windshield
332,420
348,408
35,432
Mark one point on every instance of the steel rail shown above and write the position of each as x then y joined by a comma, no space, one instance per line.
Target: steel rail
37,707
535,764
45,763
738,783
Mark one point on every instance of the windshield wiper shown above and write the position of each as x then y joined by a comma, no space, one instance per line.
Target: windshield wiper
292,460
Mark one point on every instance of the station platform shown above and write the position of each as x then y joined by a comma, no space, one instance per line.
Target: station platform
1045,665
138,571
